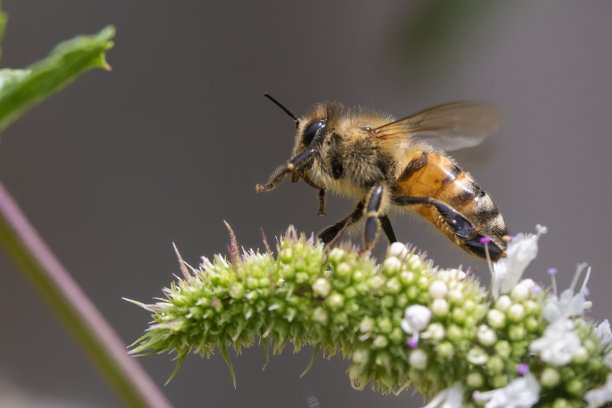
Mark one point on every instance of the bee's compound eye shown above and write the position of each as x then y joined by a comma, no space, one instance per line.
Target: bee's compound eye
311,131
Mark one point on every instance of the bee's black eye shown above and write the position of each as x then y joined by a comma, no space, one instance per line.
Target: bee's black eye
311,131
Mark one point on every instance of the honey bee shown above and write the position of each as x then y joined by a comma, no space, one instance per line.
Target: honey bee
390,165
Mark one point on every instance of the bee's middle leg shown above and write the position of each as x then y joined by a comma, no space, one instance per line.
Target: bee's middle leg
375,219
333,232
321,192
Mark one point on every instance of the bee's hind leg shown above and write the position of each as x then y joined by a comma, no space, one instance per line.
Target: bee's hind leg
385,223
463,228
458,223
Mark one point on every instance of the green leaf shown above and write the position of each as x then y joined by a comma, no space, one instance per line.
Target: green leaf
3,19
22,89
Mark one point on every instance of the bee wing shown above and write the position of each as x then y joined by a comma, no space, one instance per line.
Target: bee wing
451,126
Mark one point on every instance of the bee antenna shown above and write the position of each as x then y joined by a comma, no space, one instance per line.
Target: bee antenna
280,105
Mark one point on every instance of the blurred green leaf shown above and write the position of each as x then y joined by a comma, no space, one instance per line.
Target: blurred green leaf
429,39
2,24
22,89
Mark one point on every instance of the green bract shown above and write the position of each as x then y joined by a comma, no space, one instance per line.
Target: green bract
403,323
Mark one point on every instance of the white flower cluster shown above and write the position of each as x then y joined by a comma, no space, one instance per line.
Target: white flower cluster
559,345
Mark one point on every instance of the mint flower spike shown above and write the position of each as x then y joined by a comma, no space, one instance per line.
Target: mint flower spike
401,322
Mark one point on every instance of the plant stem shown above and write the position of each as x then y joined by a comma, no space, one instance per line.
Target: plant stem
105,348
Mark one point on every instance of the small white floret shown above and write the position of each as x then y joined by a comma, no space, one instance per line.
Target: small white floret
559,344
451,397
520,392
600,396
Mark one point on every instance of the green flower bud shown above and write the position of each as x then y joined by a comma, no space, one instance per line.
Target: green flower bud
319,315
439,307
367,324
575,387
455,296
581,355
438,289
343,270
435,332
561,403
532,307
384,325
486,336
407,277
474,380
516,332
495,364
516,312
361,356
336,255
499,381
335,301
496,319
380,342
391,266
454,332
477,356
376,282
394,286
532,324
445,350
418,359
321,287
550,377
503,303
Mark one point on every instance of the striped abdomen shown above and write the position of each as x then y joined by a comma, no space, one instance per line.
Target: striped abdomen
435,176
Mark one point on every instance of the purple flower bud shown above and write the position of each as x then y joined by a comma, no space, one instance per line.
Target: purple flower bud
522,369
485,240
552,271
413,342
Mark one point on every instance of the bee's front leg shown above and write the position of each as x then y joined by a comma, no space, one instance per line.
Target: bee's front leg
293,165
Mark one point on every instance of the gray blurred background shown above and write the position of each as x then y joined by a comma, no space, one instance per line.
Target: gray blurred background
174,139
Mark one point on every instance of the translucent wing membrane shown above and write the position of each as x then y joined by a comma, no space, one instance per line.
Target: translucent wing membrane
451,126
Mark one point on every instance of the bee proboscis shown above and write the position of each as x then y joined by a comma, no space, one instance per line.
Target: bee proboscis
390,165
